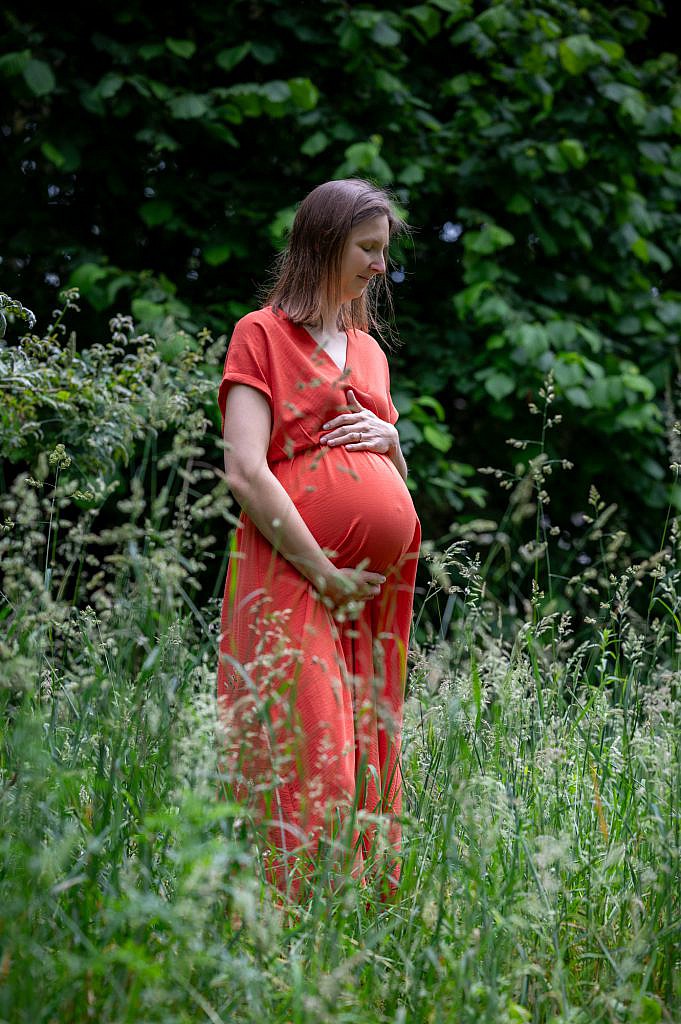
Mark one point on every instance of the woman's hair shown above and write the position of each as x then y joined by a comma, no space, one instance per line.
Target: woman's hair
308,271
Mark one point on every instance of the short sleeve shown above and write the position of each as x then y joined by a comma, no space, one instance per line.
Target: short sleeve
247,362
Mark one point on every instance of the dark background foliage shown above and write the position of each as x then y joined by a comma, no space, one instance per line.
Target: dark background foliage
155,160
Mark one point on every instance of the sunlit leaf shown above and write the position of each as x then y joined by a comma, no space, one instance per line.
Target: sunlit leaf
188,106
499,385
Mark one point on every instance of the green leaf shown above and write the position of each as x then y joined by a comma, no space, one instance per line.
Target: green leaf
621,93
460,85
592,338
649,1011
52,154
488,240
188,106
496,19
428,402
573,151
66,156
151,50
458,8
109,85
638,417
412,174
428,19
304,93
361,154
468,299
579,52
159,141
14,63
247,96
145,311
518,1014
568,374
636,382
276,91
518,204
660,257
228,59
315,144
365,156
557,161
389,83
221,132
606,392
639,247
38,77
184,48
438,437
115,285
615,51
578,397
156,211
160,90
281,225
499,385
562,333
532,338
263,53
215,255
384,34
86,276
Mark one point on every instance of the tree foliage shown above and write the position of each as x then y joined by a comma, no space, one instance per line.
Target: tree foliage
155,162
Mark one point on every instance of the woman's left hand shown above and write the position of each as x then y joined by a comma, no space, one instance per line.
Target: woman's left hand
360,430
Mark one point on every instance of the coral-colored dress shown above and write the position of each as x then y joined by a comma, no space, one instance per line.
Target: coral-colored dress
310,706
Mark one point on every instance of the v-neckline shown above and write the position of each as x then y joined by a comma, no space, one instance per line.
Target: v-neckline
320,348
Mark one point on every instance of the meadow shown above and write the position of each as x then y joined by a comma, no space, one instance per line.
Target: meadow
541,858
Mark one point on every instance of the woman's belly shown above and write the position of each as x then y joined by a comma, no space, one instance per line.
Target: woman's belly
355,504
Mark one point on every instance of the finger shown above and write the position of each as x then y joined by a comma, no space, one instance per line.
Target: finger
373,591
352,400
348,430
340,421
346,435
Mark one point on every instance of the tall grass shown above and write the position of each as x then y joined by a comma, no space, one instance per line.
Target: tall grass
540,880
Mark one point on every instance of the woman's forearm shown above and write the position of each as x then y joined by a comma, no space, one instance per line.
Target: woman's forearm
271,509
396,456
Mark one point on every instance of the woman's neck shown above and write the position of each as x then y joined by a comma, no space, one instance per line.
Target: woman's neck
326,328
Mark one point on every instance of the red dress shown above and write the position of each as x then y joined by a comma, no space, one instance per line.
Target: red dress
311,707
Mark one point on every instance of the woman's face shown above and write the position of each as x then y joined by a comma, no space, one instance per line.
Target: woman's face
364,256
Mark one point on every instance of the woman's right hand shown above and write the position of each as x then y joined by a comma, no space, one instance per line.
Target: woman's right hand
347,590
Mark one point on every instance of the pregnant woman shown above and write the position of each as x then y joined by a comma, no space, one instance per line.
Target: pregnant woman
318,597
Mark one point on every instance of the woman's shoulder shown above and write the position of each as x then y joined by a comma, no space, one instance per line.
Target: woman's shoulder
258,327
264,317
369,346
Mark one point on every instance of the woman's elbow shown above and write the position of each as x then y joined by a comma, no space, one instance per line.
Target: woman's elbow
241,479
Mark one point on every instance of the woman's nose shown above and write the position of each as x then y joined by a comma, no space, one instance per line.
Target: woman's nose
378,265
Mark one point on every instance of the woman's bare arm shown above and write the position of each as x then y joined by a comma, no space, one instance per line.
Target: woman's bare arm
396,456
248,424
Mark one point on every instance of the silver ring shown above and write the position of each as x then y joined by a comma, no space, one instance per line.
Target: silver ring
359,435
